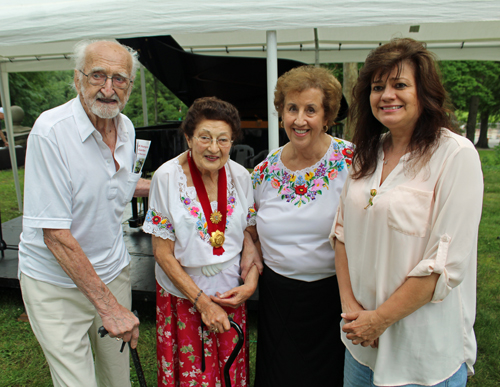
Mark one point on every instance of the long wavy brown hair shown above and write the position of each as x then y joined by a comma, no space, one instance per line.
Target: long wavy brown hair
432,97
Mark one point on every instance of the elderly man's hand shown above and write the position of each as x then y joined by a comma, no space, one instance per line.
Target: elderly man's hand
123,324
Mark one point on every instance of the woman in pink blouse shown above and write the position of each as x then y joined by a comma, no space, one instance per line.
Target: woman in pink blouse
296,192
406,229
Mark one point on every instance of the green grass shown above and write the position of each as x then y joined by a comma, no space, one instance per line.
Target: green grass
21,358
22,362
487,325
8,199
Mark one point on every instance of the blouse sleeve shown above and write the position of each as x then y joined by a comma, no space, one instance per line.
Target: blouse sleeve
455,222
337,232
158,220
252,209
257,180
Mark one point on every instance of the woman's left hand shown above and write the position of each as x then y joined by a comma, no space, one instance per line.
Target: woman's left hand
365,327
237,296
233,298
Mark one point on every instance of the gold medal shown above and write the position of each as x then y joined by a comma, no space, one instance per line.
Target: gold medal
216,217
217,239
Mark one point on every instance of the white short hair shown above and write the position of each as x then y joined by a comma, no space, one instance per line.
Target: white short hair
80,49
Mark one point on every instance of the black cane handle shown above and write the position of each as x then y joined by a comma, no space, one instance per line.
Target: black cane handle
234,354
133,352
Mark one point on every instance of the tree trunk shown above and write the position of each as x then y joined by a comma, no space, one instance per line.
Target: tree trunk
483,134
350,78
472,119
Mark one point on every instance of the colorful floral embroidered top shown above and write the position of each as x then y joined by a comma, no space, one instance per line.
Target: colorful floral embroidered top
160,225
176,214
295,212
301,187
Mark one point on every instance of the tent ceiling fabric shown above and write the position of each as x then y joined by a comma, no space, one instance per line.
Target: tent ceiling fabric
37,34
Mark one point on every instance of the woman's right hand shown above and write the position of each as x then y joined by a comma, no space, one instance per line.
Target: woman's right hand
212,315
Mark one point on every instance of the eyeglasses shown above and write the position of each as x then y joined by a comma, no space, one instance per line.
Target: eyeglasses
222,142
99,78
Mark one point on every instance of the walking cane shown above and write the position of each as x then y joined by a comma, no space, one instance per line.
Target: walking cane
236,350
135,356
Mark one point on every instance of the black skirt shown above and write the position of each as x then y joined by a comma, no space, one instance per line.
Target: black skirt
298,340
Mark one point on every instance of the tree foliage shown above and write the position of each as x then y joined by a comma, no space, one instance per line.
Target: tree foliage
473,86
169,107
463,79
36,92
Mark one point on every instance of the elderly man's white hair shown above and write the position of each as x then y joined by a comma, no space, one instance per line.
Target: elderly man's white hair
81,47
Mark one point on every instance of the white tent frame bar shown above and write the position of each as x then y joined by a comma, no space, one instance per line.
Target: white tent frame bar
338,47
325,47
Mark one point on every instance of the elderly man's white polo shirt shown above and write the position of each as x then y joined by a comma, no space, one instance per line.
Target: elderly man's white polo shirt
71,183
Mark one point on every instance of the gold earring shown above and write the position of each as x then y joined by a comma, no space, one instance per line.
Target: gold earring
282,125
325,128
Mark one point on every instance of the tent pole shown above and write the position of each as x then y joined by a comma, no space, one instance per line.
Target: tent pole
4,90
144,100
272,77
316,48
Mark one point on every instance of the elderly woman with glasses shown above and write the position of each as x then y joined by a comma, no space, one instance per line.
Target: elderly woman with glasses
200,215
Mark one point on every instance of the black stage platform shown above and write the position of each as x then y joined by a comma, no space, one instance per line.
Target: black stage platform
137,242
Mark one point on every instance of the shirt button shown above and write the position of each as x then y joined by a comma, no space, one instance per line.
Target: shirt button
108,161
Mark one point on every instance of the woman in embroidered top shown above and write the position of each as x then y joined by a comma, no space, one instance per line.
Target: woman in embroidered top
296,191
201,207
406,229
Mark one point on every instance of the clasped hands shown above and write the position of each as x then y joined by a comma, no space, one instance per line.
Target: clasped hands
364,327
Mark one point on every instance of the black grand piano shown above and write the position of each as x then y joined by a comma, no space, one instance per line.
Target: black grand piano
238,80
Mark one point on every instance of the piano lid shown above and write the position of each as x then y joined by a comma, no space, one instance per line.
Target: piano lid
238,80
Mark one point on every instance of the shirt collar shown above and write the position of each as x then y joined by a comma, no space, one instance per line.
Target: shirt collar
85,127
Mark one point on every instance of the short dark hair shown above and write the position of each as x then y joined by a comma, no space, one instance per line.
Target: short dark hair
302,78
432,98
211,108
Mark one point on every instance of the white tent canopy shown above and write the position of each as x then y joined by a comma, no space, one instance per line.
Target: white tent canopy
38,35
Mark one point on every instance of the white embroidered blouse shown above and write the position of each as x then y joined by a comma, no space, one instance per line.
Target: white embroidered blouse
417,226
295,210
175,213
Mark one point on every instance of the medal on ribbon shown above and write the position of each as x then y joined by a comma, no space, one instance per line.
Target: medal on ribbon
216,220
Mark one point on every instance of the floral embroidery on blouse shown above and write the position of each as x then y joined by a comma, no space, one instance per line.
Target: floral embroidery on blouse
301,187
158,225
197,212
252,216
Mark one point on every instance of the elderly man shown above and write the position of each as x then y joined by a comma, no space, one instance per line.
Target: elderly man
74,267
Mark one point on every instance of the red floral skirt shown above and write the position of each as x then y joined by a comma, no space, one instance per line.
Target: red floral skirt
178,345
